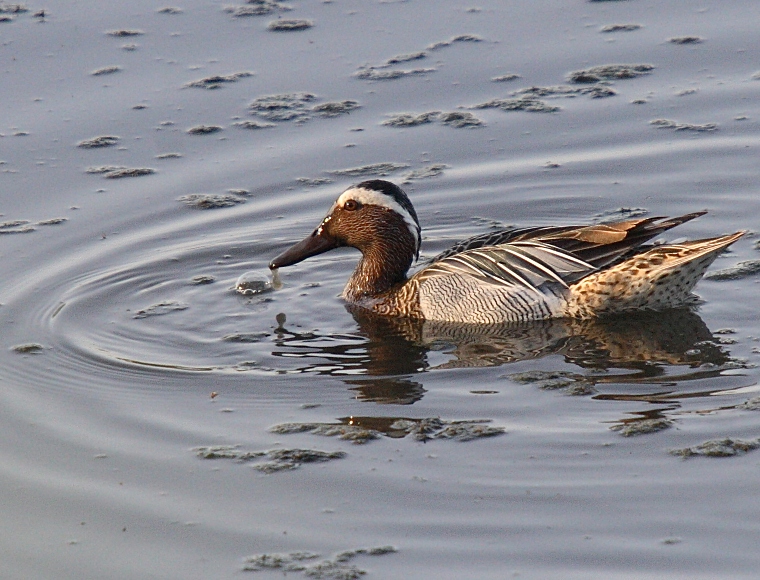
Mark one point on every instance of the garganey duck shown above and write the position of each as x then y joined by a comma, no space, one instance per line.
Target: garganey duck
512,275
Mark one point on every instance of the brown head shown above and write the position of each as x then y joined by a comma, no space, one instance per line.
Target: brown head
375,217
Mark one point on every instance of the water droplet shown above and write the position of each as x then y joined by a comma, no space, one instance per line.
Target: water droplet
252,283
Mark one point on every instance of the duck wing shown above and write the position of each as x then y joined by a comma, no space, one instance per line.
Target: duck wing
518,281
499,237
599,245
524,265
605,244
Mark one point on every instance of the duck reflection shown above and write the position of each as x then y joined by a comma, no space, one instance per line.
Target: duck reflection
642,341
381,359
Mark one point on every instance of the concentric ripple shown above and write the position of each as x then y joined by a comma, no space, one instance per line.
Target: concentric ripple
159,303
156,304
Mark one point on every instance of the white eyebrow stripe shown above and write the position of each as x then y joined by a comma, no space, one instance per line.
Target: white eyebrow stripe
372,197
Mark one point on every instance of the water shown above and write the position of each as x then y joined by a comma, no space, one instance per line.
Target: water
539,452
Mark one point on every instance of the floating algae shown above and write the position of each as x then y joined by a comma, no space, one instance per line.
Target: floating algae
210,200
216,81
361,430
741,270
378,169
279,459
289,25
160,309
97,142
668,124
718,448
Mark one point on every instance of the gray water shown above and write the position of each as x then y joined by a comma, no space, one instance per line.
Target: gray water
147,408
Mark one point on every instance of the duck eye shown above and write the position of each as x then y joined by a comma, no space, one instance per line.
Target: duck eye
351,205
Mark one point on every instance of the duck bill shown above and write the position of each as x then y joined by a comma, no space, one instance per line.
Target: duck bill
316,243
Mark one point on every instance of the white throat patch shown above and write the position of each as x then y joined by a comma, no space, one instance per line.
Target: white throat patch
372,197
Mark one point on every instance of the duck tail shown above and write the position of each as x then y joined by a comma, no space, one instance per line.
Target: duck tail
660,277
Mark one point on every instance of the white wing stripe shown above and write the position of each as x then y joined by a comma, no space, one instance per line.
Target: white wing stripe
460,265
511,272
565,256
543,268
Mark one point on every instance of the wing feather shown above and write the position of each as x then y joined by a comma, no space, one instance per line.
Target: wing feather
519,265
600,245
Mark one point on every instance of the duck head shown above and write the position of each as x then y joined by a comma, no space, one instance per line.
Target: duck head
375,217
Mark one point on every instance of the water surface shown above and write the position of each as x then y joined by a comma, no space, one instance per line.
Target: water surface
146,405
